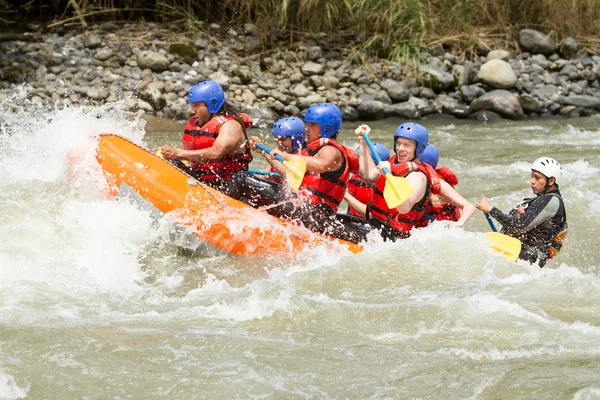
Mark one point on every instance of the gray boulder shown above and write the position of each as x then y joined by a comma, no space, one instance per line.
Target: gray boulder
502,102
536,42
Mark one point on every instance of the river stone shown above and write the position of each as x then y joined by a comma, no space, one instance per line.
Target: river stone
482,48
104,54
536,42
383,97
304,102
503,102
498,74
582,101
186,51
152,60
311,68
152,96
461,75
371,110
569,47
436,78
92,41
330,81
397,91
498,55
97,93
529,104
299,90
403,110
349,113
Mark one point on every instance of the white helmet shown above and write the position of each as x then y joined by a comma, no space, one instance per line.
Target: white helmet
549,167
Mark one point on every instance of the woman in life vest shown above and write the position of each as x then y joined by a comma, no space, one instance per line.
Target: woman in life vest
323,186
360,191
410,141
290,136
439,208
214,140
540,223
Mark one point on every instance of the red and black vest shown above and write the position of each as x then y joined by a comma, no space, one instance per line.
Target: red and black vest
326,187
442,212
403,222
197,138
361,190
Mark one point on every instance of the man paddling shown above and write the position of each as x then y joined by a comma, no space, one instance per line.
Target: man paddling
410,141
322,189
540,223
214,140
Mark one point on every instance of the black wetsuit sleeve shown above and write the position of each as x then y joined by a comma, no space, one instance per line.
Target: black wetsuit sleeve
540,210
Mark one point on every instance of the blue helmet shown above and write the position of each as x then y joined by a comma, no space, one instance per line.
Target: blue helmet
208,92
290,127
416,132
327,115
380,149
431,156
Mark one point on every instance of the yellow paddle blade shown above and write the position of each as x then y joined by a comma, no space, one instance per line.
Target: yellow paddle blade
159,153
397,190
296,168
510,247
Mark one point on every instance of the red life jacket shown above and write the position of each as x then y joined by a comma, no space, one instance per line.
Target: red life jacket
354,162
446,174
326,187
197,138
442,212
404,222
361,190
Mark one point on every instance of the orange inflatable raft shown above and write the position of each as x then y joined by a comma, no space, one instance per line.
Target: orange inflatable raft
223,222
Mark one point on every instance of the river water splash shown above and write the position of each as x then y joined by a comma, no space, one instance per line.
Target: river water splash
101,297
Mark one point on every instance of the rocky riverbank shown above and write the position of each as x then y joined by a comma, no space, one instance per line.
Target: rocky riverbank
152,68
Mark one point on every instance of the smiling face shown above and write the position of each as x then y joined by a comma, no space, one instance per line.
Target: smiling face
200,112
405,149
539,181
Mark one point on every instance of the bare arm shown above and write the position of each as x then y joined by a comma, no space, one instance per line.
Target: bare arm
419,182
230,139
361,208
450,194
327,159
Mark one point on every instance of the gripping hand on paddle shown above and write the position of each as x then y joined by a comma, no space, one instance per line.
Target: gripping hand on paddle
384,165
252,142
170,153
360,130
484,205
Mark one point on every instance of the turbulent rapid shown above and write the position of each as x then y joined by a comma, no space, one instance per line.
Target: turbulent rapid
103,297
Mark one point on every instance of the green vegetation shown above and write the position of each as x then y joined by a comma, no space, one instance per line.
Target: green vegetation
392,29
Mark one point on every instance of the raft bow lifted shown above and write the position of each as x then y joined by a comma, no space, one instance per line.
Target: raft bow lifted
217,219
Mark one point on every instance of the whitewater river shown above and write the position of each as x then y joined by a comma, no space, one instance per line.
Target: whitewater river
99,298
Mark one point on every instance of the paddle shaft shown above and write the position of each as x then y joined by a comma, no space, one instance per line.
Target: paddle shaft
267,150
373,152
267,173
489,220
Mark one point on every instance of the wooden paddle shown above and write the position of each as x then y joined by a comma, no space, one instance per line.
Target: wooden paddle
397,189
296,168
510,247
